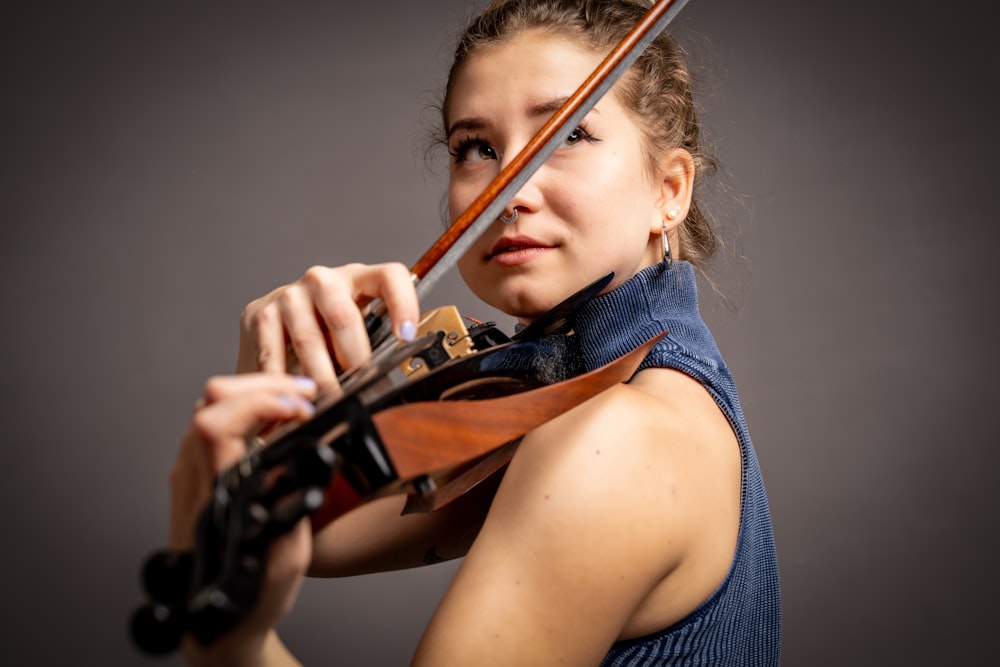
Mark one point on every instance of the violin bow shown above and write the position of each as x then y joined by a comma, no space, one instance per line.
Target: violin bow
230,590
490,203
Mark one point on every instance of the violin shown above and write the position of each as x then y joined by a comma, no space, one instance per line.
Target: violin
430,418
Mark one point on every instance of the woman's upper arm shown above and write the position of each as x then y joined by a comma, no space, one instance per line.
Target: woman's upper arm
586,522
378,537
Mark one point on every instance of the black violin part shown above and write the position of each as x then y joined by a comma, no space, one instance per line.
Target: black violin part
341,457
380,433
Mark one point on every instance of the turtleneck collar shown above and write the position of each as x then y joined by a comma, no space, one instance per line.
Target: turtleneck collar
657,299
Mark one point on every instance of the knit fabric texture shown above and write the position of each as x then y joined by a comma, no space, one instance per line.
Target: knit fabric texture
740,623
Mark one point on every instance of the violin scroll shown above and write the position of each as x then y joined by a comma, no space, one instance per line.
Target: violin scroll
250,510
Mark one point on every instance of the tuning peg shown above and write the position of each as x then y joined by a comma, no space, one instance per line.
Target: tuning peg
214,612
291,509
156,629
166,576
314,464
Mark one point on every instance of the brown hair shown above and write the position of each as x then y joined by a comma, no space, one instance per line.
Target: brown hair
656,90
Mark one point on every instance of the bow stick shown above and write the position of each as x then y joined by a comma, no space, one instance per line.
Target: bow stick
158,627
490,203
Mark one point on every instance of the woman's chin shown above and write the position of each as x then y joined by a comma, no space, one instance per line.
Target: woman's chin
527,301
525,308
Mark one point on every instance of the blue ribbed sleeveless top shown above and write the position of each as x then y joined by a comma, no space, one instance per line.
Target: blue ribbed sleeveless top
740,623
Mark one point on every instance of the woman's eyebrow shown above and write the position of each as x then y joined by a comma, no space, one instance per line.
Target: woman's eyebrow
547,108
474,123
468,124
550,107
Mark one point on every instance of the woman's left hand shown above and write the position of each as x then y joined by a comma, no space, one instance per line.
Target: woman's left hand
230,409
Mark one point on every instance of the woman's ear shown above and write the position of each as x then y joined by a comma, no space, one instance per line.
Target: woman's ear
676,183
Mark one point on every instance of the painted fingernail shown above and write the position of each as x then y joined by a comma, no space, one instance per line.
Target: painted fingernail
298,403
408,330
305,383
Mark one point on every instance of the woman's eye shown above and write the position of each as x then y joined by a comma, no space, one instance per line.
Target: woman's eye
578,135
482,152
474,151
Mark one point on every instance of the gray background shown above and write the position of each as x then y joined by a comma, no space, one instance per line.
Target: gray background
165,162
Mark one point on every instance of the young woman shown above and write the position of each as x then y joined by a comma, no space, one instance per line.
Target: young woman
632,529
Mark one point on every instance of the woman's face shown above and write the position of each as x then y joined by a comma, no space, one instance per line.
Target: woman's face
593,207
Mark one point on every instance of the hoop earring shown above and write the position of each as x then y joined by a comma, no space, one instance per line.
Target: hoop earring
668,260
509,220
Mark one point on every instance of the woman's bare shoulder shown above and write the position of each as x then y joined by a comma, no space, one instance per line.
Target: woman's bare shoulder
658,446
597,511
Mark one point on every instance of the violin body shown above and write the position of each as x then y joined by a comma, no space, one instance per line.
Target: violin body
432,437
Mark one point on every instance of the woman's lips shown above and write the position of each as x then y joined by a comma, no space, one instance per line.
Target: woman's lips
513,250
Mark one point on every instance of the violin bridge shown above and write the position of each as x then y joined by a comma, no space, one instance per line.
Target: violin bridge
454,341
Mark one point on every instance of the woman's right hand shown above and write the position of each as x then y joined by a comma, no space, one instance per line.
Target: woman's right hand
315,326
